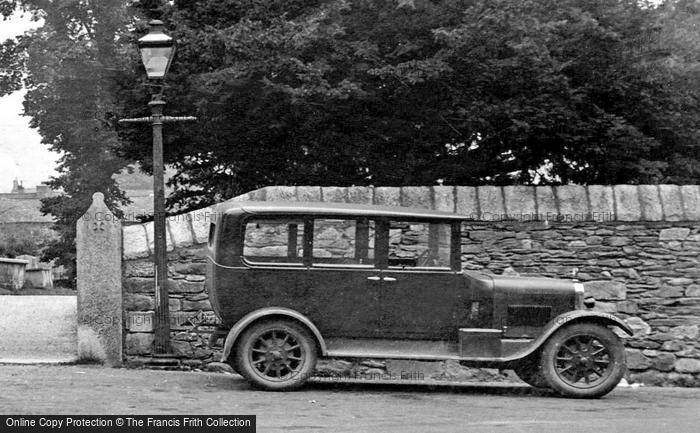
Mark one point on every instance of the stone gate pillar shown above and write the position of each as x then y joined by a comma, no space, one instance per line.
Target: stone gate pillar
99,271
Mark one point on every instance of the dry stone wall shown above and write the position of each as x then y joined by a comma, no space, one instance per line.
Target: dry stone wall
635,247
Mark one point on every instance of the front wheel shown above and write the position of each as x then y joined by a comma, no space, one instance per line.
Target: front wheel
276,355
583,361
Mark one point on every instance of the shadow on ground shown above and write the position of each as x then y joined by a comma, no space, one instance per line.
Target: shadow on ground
237,382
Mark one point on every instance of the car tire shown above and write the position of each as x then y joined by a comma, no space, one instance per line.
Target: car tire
234,365
583,360
276,355
529,371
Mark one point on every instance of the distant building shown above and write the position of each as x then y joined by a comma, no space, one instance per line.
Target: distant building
21,220
17,187
22,205
42,190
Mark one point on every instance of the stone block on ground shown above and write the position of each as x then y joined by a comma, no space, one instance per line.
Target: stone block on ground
219,367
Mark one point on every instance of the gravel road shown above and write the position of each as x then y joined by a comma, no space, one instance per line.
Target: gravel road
346,407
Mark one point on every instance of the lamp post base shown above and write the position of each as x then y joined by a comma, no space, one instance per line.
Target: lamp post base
163,362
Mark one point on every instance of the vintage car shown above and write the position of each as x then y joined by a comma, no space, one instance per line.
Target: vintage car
292,282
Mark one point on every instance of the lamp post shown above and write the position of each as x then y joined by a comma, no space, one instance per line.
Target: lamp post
157,50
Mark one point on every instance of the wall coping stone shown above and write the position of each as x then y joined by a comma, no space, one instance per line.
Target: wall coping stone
567,203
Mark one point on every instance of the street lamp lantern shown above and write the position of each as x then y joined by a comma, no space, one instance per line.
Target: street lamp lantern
157,51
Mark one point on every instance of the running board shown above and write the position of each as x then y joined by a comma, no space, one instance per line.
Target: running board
423,350
481,345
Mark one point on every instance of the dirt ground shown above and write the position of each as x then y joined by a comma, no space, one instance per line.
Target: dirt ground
343,407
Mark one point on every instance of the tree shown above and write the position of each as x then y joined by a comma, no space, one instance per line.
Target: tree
72,66
417,92
679,35
359,92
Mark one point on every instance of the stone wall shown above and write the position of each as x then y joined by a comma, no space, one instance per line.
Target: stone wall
635,247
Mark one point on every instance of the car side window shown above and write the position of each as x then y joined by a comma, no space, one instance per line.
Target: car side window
343,241
269,241
419,244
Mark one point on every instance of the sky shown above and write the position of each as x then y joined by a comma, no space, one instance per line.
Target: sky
22,156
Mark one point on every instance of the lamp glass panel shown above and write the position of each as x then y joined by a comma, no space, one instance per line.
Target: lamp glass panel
156,60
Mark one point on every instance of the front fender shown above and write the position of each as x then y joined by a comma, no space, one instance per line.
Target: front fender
571,317
251,317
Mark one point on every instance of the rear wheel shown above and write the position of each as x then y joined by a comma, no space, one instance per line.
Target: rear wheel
276,355
583,361
528,370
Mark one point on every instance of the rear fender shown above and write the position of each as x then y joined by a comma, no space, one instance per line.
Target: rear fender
262,313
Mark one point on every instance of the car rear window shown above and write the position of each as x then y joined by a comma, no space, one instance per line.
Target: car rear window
274,241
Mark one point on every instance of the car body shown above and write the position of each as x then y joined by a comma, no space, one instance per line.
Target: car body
364,281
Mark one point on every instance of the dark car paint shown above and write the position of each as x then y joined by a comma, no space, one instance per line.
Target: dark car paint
357,301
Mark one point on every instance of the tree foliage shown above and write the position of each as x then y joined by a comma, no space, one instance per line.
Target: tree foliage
72,67
359,92
418,92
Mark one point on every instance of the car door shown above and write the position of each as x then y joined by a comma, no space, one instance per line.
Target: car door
342,296
421,294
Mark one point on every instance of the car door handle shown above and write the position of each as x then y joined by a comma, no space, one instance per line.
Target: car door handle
389,279
374,278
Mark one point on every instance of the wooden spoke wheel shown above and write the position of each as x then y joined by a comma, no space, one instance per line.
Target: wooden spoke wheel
276,355
583,360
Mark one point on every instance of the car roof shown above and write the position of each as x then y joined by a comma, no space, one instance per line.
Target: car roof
333,209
